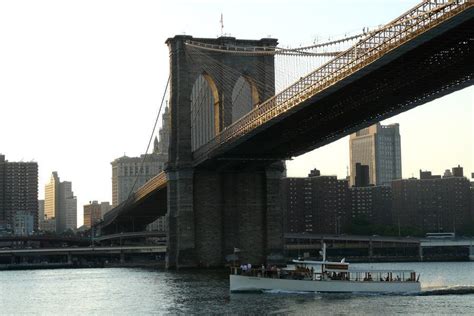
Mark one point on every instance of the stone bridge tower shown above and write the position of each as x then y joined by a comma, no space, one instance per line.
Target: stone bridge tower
217,208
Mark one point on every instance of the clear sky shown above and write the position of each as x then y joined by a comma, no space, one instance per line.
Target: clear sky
81,81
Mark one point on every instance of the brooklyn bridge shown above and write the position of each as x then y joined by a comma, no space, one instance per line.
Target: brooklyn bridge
233,125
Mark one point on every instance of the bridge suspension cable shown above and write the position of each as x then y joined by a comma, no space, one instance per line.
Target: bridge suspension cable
140,169
273,50
423,16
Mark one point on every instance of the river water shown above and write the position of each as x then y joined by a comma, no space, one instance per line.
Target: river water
448,288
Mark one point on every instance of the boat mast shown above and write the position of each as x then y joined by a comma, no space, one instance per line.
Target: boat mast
324,251
323,266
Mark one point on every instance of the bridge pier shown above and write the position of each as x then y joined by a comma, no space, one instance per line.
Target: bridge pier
181,236
211,213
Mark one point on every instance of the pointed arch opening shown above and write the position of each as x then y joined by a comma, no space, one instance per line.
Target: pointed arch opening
244,97
205,111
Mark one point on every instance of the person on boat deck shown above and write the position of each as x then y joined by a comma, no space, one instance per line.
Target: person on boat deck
263,270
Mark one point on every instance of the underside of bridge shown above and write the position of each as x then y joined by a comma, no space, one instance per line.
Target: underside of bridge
436,63
230,198
134,216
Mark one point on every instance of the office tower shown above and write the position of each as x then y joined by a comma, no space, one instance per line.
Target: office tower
60,204
378,147
126,174
18,196
92,213
104,208
362,175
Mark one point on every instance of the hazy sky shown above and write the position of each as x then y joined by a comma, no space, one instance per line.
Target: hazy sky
81,81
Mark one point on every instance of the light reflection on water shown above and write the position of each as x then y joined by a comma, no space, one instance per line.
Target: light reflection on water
141,291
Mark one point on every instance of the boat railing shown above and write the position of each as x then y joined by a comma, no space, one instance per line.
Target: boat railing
329,274
372,276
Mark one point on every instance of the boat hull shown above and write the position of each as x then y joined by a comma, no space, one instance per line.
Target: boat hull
240,283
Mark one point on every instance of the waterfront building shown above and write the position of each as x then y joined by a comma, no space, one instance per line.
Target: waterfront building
40,214
372,203
60,205
447,173
18,196
316,204
457,171
432,204
92,213
161,224
378,147
23,223
472,202
426,175
104,208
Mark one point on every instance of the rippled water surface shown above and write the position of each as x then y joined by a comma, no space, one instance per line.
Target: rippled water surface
448,288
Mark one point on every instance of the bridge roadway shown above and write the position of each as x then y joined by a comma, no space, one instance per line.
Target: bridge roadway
420,56
427,242
420,247
83,250
131,235
142,208
45,238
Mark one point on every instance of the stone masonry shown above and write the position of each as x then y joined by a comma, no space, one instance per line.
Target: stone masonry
212,211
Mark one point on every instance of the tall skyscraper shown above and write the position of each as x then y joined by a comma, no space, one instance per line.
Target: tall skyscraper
126,173
377,146
60,204
18,196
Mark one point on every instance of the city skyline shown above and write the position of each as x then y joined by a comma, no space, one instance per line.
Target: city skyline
91,80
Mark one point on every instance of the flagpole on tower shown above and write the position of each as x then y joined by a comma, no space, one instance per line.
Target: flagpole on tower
222,24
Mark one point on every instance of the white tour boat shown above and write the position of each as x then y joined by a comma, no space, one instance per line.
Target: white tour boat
323,276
